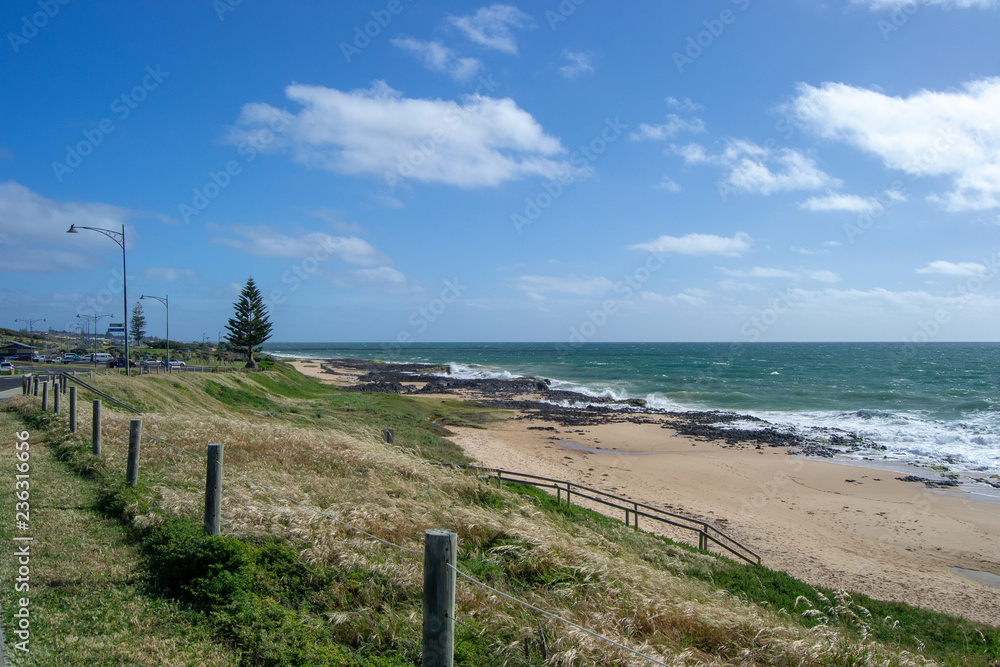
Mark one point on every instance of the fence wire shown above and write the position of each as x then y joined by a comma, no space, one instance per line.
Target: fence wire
531,650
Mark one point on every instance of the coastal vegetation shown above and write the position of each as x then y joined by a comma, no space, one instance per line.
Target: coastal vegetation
126,574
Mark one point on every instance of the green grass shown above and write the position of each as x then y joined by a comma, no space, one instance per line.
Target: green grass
253,599
948,639
94,607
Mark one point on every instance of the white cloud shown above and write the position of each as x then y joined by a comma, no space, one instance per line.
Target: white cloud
772,273
668,184
964,269
689,297
698,244
262,241
685,105
672,126
823,276
757,169
480,142
842,202
876,5
439,58
955,134
537,286
490,26
579,62
33,231
761,272
168,274
384,279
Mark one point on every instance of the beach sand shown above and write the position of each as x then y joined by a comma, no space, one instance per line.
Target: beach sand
839,525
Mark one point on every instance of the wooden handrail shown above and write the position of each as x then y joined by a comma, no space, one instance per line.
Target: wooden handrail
706,531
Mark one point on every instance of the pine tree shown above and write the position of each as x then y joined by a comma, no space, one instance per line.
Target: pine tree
137,324
251,327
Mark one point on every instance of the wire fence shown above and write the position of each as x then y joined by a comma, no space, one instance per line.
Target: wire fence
534,645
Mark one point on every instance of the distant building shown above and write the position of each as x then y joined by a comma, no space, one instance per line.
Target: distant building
11,348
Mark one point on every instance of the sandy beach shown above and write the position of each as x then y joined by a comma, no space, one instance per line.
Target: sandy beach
835,524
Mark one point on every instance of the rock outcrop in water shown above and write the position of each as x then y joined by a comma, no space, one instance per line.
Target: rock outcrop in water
534,399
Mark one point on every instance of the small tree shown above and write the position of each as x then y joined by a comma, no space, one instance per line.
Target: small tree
137,324
251,327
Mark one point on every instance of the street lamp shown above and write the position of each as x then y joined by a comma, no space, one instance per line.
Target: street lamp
31,329
119,238
96,319
166,302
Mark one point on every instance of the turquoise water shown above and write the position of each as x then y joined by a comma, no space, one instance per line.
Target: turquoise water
930,403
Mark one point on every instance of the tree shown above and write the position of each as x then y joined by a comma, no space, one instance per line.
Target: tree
251,326
137,324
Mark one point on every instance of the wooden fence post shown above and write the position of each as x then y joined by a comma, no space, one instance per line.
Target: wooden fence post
440,551
72,409
96,428
389,435
134,436
213,490
35,378
45,396
55,398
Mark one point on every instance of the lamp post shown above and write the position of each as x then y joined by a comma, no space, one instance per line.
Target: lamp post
31,330
119,238
96,319
165,300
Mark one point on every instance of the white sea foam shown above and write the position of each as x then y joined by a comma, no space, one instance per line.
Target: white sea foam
466,372
972,444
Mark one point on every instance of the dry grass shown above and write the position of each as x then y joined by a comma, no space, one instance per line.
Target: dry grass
349,474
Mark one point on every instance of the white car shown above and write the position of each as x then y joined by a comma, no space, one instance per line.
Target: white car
6,367
174,362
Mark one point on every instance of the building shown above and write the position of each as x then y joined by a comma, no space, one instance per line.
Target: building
10,348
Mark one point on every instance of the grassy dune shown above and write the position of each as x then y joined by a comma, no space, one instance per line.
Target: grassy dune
287,586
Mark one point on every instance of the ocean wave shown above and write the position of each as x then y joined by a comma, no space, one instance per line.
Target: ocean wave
467,372
972,443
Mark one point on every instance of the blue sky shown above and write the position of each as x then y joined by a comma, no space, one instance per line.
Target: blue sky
555,171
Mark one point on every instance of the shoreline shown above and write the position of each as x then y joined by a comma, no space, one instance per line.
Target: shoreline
849,524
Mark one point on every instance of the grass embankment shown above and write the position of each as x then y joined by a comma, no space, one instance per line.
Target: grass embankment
286,586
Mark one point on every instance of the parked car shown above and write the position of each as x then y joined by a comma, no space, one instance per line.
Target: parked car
174,362
120,363
6,367
21,357
150,362
67,358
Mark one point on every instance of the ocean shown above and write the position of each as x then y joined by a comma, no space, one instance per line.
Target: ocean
931,404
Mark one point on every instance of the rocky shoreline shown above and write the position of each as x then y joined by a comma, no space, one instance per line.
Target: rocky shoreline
534,399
